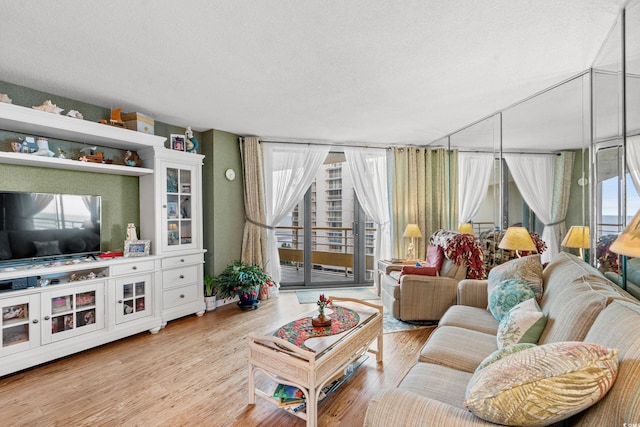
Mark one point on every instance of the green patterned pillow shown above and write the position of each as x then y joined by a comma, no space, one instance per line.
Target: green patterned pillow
542,385
524,323
502,353
506,295
528,269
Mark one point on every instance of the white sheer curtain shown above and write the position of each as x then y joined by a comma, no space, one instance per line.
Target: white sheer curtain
289,170
633,160
368,168
533,174
474,173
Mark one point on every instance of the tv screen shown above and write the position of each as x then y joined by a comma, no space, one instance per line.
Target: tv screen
37,226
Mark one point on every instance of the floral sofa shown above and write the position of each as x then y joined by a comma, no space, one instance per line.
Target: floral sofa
584,369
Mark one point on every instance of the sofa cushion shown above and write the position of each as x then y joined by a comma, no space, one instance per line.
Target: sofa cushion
474,318
503,352
543,384
524,323
457,348
434,258
506,295
437,382
528,269
422,271
570,311
617,327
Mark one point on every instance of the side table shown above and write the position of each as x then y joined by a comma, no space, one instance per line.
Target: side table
385,266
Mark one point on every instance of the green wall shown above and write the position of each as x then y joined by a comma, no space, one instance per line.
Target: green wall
223,200
120,194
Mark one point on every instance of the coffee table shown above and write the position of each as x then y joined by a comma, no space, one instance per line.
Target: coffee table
328,359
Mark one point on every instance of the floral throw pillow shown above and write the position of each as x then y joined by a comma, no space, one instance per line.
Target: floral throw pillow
506,295
524,323
502,353
542,385
528,269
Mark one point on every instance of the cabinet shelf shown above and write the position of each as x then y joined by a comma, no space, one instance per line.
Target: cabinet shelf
40,123
56,163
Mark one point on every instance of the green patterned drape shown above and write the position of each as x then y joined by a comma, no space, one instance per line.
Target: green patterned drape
424,180
562,169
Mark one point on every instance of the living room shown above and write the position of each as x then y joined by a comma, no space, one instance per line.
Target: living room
574,110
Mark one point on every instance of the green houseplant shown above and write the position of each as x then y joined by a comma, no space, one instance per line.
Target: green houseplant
244,280
210,292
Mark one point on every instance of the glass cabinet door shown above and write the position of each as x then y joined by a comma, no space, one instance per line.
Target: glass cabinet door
179,207
71,312
133,295
20,325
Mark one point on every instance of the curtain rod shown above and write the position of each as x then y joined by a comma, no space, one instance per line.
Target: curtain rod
320,142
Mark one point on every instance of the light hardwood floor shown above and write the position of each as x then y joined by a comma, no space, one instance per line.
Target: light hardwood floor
193,372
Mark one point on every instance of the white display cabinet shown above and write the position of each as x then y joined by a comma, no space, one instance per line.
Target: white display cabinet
171,215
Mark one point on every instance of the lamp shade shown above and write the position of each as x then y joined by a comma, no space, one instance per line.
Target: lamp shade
466,228
628,243
518,239
412,230
577,237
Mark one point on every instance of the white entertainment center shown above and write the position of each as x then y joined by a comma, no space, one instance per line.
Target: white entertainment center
73,305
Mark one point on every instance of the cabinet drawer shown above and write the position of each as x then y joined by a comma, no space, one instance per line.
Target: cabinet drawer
181,260
133,267
179,296
180,276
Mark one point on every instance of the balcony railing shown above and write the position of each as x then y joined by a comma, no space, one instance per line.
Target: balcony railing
332,247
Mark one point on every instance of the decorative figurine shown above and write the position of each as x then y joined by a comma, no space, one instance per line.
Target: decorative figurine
75,114
115,120
83,159
89,150
192,142
132,234
130,159
61,153
43,147
5,98
49,107
25,144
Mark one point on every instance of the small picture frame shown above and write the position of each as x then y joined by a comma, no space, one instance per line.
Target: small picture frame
136,248
172,210
178,142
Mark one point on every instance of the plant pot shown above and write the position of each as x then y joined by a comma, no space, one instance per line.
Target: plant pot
210,303
249,300
321,320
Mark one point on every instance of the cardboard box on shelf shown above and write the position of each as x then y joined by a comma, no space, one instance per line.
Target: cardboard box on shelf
138,122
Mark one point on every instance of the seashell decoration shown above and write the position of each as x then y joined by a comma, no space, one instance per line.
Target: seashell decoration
75,114
5,98
49,107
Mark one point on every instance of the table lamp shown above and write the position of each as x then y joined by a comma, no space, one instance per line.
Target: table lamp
466,228
628,243
577,237
517,239
413,231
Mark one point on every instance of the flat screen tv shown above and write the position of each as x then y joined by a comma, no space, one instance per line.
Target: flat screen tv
37,226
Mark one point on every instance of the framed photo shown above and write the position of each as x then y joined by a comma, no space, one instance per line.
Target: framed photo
177,142
172,210
136,247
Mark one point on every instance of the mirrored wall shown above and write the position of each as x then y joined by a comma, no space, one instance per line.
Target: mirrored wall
579,142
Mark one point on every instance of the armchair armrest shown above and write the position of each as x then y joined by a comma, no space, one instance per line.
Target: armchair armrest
426,297
403,408
473,293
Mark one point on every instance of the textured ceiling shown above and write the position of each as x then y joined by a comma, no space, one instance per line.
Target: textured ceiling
365,71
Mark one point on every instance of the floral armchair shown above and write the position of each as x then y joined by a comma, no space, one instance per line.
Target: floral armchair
493,255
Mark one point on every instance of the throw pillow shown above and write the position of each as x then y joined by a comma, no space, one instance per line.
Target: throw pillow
502,353
542,385
506,295
528,269
435,257
47,248
423,271
524,323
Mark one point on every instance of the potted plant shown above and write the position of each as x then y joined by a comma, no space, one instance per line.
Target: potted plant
210,292
244,280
